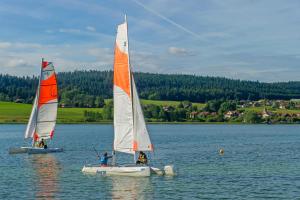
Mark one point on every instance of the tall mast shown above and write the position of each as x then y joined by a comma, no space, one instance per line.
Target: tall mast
130,79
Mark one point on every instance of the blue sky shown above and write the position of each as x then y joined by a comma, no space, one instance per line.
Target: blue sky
240,39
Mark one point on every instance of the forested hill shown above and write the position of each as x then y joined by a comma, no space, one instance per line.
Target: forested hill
89,85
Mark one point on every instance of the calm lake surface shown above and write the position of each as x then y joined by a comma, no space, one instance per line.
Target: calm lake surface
260,161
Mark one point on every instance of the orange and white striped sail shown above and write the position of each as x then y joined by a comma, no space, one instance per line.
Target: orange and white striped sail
130,130
43,117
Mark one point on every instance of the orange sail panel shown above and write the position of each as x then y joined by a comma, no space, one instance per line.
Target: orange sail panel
121,70
48,90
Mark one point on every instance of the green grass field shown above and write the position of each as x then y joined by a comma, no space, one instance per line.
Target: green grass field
269,108
19,113
73,115
163,103
168,103
14,112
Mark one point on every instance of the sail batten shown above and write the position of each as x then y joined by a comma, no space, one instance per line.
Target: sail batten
130,130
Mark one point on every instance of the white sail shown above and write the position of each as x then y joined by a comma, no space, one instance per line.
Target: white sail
123,122
123,117
140,132
130,130
32,120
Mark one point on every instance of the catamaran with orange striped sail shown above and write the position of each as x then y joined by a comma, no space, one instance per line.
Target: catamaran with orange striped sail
41,124
130,131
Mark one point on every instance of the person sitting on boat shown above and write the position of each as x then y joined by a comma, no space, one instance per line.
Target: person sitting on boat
104,160
142,159
42,143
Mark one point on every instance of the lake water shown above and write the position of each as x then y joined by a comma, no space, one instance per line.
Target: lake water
260,161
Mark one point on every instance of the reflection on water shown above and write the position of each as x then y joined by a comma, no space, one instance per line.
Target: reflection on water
131,188
46,170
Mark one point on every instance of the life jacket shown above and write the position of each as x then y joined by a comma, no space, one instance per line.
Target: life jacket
41,144
103,160
142,158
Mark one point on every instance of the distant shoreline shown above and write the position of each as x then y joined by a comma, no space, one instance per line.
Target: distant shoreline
18,113
166,123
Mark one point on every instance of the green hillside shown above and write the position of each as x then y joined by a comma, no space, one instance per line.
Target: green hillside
89,88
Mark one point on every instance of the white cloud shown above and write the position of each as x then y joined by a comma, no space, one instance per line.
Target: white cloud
15,62
215,35
49,31
99,51
4,45
233,39
88,31
20,45
178,51
63,30
67,57
90,28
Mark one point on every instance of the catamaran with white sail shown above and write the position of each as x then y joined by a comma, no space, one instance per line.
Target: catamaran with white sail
42,121
130,131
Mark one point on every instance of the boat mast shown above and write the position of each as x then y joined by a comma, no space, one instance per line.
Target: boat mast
130,79
37,96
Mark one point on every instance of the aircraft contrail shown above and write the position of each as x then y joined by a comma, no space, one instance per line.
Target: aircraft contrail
167,19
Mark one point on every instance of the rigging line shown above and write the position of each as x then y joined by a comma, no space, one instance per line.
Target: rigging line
96,152
168,20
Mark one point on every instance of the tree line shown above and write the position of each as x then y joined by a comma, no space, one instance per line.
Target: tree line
214,111
90,88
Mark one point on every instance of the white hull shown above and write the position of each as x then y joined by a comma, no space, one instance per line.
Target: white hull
33,150
137,171
157,171
141,171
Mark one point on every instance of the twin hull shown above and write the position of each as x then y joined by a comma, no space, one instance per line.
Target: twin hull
34,150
